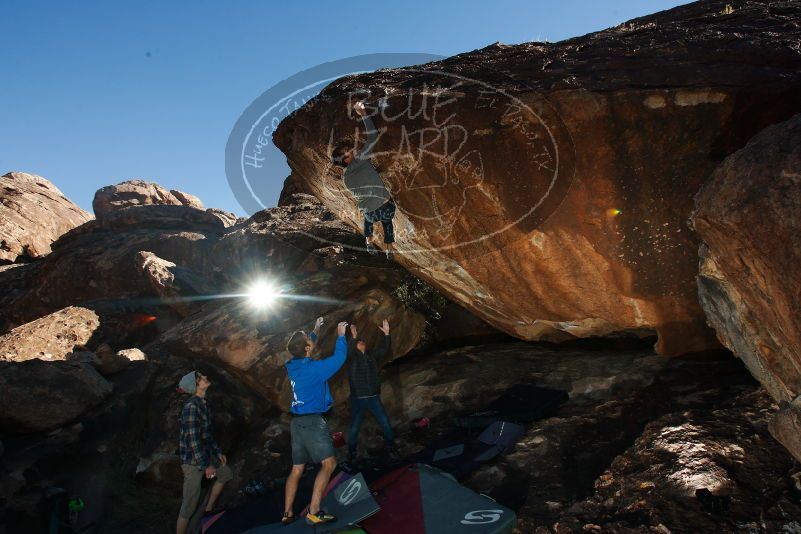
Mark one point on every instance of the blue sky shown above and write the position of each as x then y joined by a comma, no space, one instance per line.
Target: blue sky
95,93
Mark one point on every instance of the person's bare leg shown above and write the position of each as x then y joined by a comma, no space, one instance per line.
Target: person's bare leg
216,489
180,526
292,488
327,467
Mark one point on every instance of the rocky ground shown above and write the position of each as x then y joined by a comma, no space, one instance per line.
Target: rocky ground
627,452
638,438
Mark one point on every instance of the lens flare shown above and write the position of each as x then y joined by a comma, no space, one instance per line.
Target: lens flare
613,212
262,294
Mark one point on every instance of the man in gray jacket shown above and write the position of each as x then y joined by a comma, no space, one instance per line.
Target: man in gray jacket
363,180
365,388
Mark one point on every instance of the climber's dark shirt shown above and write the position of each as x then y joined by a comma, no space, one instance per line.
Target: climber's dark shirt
361,177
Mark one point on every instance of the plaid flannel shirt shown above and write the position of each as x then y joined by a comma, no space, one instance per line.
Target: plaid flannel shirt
196,445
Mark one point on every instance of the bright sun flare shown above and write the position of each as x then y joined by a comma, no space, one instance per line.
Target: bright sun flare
262,294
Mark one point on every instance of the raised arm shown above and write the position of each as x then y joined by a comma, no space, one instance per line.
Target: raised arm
369,126
385,348
354,333
328,367
315,334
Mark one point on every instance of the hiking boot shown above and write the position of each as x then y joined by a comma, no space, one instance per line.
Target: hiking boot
319,518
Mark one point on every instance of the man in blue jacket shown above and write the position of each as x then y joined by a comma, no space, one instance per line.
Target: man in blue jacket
311,399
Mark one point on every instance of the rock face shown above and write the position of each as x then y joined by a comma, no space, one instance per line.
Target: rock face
139,193
52,337
178,271
114,258
786,427
33,214
228,218
37,395
546,187
187,200
749,217
750,280
344,283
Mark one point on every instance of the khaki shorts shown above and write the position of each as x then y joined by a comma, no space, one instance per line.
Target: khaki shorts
193,476
311,439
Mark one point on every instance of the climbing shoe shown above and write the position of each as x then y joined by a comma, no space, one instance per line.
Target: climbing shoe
319,518
390,255
287,518
370,248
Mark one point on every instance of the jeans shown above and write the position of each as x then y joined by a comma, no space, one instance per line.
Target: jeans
357,407
384,215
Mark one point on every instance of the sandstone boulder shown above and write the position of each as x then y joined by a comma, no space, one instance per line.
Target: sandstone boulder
228,219
546,187
110,362
132,355
158,264
188,200
749,217
786,427
317,260
53,337
750,280
91,457
125,255
134,193
33,214
136,254
37,395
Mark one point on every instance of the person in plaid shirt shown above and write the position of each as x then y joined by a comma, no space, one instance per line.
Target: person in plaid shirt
200,454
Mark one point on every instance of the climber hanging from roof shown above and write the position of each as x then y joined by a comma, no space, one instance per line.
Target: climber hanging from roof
363,180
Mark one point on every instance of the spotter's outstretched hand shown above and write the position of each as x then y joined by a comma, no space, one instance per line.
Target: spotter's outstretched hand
384,327
342,328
